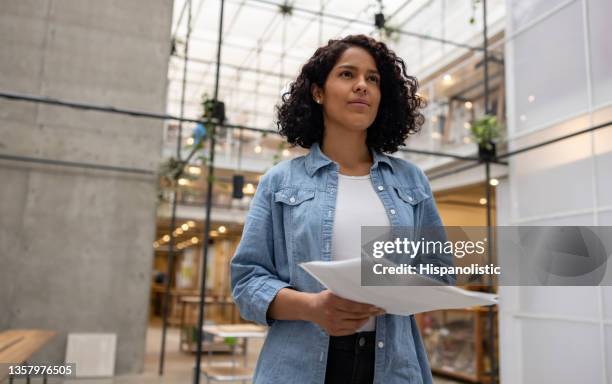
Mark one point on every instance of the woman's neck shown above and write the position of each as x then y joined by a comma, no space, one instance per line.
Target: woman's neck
349,151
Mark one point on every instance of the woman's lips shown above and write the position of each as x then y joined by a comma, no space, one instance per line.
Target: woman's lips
359,104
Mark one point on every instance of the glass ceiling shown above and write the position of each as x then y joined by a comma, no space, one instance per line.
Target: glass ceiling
263,49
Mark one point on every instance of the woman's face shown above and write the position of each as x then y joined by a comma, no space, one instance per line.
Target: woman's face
351,93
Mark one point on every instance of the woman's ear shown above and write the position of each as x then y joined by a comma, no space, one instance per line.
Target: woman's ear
317,94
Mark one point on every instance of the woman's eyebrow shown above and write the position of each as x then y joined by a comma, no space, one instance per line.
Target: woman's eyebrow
355,68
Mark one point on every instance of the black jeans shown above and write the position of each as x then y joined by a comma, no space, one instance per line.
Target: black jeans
350,359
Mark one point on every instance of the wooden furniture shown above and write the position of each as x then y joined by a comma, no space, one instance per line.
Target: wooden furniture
457,342
174,311
230,333
18,345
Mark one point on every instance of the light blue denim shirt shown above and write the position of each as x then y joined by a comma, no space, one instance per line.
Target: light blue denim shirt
291,221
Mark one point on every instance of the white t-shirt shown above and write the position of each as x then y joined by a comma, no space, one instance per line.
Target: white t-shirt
357,204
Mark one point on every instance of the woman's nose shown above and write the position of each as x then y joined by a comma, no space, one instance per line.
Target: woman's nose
360,86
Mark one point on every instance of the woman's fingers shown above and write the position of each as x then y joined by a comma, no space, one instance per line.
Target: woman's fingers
348,327
352,315
350,306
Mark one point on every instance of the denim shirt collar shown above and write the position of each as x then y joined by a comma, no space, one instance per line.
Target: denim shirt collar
316,159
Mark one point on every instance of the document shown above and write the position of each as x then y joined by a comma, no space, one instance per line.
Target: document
343,278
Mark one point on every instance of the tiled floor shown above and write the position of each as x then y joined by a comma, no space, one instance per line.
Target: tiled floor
178,365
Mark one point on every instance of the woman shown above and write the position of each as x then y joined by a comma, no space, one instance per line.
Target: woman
351,102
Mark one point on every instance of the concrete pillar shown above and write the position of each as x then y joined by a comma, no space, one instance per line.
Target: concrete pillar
76,244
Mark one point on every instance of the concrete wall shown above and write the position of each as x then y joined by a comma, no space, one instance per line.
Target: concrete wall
76,244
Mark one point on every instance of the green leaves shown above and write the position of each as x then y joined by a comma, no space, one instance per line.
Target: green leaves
485,130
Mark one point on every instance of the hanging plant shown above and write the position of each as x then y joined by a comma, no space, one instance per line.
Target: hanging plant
285,9
473,17
485,131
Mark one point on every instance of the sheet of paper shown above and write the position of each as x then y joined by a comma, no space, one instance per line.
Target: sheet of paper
344,279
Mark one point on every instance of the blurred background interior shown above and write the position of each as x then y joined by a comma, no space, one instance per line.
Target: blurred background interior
102,220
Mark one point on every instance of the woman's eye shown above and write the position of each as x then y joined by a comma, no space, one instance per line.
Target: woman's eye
346,73
374,79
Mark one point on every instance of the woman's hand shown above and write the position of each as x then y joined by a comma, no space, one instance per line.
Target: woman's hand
338,316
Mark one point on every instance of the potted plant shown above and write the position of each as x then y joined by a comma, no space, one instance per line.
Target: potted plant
485,131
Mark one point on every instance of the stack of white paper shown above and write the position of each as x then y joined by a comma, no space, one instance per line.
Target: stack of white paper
343,278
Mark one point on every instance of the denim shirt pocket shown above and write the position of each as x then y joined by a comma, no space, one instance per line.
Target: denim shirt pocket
412,195
410,205
299,215
293,196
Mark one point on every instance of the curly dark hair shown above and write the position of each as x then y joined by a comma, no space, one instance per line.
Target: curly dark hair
300,118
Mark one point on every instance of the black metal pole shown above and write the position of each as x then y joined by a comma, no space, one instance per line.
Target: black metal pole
118,111
423,152
211,170
490,313
170,272
486,56
179,139
159,116
184,82
453,171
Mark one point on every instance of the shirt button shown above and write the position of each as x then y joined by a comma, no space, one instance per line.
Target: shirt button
380,188
361,341
381,344
392,211
292,199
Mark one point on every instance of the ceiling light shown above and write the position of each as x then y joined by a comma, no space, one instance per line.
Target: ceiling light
222,229
494,182
178,232
258,149
183,182
194,240
191,223
166,238
248,189
195,170
214,233
467,125
190,141
468,105
483,201
447,79
185,227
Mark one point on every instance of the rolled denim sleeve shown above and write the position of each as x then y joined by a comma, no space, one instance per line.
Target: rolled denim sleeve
254,278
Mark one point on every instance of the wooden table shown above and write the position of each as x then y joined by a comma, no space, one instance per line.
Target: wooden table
18,345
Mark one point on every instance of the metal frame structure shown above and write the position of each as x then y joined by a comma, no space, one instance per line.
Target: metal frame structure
498,159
